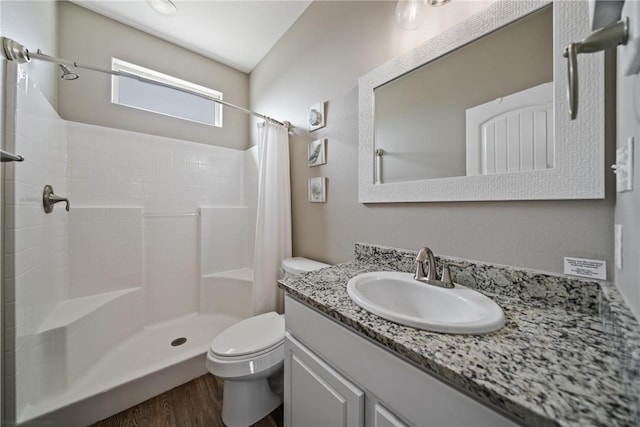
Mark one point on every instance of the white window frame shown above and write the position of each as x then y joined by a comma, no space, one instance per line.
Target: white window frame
120,65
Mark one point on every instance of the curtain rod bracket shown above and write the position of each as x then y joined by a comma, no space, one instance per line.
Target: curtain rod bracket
14,51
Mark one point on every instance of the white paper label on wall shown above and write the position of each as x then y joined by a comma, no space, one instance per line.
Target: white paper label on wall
589,268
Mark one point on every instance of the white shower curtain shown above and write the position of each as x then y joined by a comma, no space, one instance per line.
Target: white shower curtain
273,222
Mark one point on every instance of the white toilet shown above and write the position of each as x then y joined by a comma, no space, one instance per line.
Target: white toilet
249,356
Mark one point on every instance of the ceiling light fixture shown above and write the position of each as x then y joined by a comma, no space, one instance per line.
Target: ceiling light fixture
163,7
438,2
410,13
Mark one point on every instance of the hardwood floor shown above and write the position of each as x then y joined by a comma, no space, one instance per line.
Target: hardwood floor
196,403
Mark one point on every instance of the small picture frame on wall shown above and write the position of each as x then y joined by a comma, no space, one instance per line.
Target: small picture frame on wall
316,116
316,151
317,190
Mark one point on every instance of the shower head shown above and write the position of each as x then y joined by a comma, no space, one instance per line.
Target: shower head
67,74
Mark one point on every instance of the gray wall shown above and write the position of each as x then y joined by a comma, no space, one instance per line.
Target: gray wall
89,38
627,210
320,59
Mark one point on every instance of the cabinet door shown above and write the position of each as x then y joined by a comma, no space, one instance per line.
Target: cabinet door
384,418
316,394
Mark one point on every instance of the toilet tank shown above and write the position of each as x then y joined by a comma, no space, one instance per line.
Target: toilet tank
299,265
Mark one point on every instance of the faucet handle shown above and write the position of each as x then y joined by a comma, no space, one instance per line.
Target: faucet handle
49,199
446,273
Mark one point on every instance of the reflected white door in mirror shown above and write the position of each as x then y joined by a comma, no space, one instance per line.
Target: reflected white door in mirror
511,134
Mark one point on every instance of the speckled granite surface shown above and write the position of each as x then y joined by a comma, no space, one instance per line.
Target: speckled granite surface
621,325
557,362
535,287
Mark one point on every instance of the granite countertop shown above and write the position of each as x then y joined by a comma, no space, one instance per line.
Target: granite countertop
551,365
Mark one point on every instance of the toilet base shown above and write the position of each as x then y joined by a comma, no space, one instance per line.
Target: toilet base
245,402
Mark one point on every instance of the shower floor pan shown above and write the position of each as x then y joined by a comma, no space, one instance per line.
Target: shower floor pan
140,367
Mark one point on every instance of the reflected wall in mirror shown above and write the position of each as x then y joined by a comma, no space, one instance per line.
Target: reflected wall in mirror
478,112
420,118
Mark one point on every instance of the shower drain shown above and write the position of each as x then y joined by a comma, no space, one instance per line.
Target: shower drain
178,341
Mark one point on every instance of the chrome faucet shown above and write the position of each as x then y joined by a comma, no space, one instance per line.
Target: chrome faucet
425,253
431,276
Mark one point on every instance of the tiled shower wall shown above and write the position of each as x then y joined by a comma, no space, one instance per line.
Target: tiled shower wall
105,250
134,223
111,167
222,225
36,274
171,180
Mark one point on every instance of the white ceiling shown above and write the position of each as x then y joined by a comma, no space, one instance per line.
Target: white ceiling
238,33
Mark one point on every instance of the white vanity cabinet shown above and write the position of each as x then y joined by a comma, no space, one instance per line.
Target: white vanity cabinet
317,394
335,377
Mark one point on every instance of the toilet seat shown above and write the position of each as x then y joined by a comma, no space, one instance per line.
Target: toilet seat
249,348
245,356
250,366
250,336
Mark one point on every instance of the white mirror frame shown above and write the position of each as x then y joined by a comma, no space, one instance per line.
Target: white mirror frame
579,171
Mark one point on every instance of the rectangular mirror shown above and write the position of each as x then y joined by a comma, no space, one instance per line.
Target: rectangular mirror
479,112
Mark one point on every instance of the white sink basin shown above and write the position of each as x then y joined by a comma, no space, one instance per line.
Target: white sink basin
401,299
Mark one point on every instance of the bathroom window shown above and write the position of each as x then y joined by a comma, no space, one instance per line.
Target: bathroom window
163,100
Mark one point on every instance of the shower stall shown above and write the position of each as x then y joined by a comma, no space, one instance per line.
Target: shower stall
118,299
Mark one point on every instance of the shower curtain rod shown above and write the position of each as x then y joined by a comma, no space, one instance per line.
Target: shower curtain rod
14,51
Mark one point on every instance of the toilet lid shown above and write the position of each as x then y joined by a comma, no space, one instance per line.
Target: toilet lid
250,335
